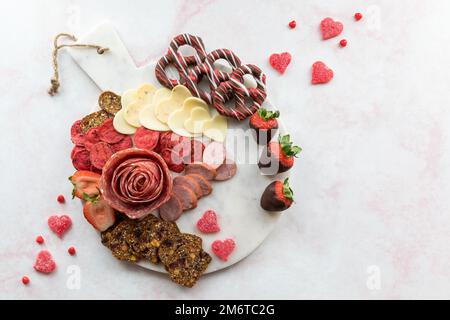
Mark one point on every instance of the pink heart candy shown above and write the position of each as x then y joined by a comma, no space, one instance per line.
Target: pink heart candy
44,262
321,73
59,224
208,222
330,28
280,61
223,249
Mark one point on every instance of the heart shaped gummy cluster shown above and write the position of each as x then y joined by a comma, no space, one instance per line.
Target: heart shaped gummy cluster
223,86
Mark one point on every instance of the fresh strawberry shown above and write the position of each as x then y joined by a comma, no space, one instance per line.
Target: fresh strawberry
278,156
85,182
278,196
265,124
98,213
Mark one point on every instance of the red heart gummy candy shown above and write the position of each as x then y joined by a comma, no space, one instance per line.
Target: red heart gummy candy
280,61
330,28
59,225
223,249
321,73
44,262
208,222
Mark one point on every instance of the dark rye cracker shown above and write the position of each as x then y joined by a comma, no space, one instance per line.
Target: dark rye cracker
93,120
119,239
109,102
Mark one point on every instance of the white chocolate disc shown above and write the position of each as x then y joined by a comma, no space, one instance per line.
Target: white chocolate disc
121,125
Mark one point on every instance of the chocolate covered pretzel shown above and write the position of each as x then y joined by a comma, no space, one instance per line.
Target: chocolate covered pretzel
180,62
236,89
213,75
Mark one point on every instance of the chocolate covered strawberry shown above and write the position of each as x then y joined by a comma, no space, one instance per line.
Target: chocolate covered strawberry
265,124
278,196
278,156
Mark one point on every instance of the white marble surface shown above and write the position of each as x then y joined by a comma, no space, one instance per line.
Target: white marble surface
371,184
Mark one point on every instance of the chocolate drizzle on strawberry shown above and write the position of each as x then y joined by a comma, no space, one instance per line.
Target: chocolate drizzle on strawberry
265,124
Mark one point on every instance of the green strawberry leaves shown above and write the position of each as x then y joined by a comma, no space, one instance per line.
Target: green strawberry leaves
287,191
286,146
93,199
267,115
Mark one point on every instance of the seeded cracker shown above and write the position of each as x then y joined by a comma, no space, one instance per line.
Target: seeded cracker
150,232
93,120
119,240
109,102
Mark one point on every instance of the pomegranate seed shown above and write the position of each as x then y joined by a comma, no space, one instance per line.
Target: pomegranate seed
61,199
292,24
358,16
343,43
40,239
71,251
25,280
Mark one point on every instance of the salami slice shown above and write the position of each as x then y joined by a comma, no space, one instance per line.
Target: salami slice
202,169
136,182
204,184
76,134
100,154
190,183
186,196
122,145
173,161
214,154
108,134
171,210
197,149
146,139
81,160
226,171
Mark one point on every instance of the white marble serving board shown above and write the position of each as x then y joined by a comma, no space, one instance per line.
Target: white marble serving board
236,201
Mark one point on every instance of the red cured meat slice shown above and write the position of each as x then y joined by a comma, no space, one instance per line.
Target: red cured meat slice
108,134
173,161
214,154
136,182
76,134
100,154
186,196
146,139
92,137
81,160
122,145
197,149
226,171
202,169
189,182
171,210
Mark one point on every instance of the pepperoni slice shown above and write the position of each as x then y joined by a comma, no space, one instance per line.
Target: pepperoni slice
146,139
108,134
81,160
75,150
100,154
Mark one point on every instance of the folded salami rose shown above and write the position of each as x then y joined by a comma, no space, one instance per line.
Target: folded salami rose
136,182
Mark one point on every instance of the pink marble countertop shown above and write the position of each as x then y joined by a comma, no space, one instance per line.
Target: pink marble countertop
372,217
